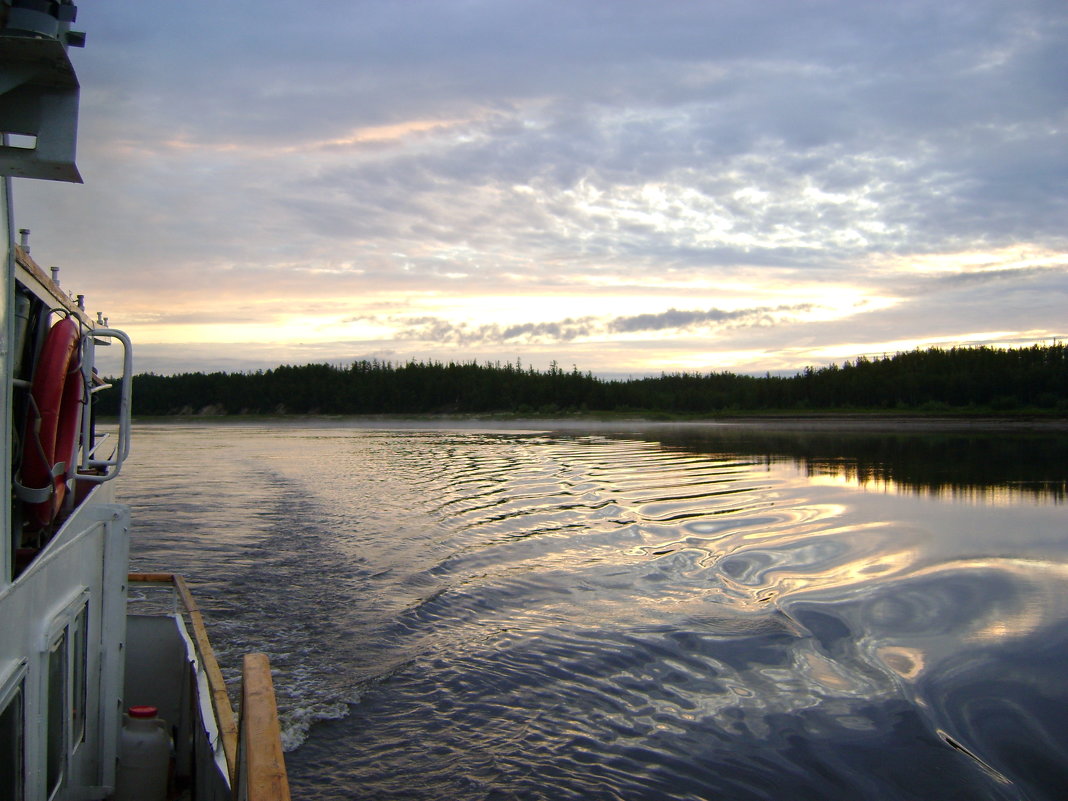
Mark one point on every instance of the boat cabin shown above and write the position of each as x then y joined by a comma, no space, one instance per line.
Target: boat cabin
99,698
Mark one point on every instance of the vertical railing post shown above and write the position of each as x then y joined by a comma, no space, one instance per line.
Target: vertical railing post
261,771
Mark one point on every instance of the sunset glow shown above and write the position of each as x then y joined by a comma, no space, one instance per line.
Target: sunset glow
714,193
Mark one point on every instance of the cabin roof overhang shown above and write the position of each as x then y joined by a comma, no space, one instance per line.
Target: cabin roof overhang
38,109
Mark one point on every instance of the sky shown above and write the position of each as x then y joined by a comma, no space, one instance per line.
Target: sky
627,187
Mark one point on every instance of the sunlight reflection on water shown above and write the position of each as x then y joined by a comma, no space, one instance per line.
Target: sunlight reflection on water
470,614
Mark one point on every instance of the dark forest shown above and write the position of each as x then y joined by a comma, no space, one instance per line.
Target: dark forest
978,380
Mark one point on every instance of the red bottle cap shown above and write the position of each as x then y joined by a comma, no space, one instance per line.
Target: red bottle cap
143,711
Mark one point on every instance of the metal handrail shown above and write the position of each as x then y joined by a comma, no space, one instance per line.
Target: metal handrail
109,467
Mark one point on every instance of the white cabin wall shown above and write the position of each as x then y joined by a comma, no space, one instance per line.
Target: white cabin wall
80,565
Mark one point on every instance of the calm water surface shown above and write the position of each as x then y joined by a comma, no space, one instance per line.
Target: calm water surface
667,613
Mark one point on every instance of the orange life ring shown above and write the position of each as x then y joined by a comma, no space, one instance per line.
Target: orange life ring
52,419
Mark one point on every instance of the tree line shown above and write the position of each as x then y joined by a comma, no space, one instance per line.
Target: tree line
976,379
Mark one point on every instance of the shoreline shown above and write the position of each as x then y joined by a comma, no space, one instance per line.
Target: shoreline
861,422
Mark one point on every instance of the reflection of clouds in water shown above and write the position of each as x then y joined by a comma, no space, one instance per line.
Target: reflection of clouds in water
972,601
817,554
816,614
911,623
979,644
772,614
906,662
879,613
1007,705
730,700
591,611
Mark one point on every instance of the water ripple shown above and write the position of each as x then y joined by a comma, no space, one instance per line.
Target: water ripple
466,614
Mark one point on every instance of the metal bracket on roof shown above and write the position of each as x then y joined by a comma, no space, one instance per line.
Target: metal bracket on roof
38,90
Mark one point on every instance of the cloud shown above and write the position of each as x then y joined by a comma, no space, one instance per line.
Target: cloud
874,129
384,155
686,320
1018,276
433,329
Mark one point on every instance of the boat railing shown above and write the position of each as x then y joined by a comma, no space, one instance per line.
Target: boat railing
99,442
252,748
261,766
107,469
90,467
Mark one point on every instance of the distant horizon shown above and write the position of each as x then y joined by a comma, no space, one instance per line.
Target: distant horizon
104,359
970,381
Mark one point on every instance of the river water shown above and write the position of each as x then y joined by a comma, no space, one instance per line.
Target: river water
653,612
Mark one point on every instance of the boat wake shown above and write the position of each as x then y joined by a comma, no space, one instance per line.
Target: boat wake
475,615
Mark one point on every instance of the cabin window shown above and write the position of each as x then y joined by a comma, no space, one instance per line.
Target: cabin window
12,744
57,712
79,662
66,681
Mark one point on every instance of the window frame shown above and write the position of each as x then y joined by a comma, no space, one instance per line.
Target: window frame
12,689
57,640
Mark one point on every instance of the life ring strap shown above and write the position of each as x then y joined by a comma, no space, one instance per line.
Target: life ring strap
40,494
